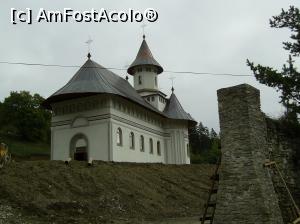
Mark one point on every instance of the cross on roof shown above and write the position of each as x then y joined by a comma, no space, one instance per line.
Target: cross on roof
172,80
89,42
143,28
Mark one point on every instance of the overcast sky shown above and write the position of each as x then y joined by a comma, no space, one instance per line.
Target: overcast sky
202,36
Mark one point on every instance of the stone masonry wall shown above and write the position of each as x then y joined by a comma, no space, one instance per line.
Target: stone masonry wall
283,146
246,194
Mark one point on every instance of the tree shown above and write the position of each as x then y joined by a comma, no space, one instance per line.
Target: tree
213,134
1,113
23,116
194,139
288,79
204,145
204,137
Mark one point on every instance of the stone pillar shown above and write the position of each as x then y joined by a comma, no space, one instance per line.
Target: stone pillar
246,194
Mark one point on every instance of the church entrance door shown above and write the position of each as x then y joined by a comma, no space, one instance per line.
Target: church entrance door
80,154
79,147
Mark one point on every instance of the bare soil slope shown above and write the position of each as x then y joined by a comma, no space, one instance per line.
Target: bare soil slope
51,192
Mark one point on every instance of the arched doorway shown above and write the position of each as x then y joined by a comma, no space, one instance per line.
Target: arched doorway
79,147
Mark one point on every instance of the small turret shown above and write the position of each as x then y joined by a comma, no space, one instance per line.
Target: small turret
145,69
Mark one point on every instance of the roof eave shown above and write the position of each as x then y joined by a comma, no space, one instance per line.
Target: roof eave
130,70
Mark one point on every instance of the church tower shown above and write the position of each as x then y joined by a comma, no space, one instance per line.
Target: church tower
145,70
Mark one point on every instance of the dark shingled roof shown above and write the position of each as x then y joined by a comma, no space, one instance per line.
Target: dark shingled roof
144,57
174,110
92,79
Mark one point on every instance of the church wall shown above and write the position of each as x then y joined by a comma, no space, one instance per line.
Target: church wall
147,78
124,153
161,104
186,149
178,142
131,118
88,116
157,101
168,151
98,118
96,134
129,112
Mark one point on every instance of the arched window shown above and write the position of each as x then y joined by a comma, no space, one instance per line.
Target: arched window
151,145
119,136
140,80
188,150
131,140
155,81
158,148
142,146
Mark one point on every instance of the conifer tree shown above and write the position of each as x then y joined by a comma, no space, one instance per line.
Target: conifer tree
287,81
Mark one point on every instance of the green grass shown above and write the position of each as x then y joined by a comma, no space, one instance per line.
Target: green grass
25,149
210,157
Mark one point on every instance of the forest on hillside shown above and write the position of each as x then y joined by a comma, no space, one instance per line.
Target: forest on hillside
22,117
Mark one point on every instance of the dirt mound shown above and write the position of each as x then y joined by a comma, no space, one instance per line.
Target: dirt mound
51,192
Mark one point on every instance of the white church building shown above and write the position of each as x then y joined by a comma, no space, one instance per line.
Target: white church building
98,115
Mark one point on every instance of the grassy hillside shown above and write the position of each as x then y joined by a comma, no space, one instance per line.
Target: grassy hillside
51,192
25,149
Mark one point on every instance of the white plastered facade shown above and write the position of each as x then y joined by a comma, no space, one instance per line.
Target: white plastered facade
94,122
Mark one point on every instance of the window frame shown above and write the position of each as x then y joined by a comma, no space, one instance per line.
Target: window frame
151,146
119,137
142,143
131,140
158,148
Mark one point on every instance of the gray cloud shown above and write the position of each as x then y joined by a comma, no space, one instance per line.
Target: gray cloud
205,36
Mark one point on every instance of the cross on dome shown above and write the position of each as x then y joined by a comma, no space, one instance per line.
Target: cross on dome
143,27
89,42
172,80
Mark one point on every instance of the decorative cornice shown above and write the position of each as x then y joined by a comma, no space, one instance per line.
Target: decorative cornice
79,106
114,117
